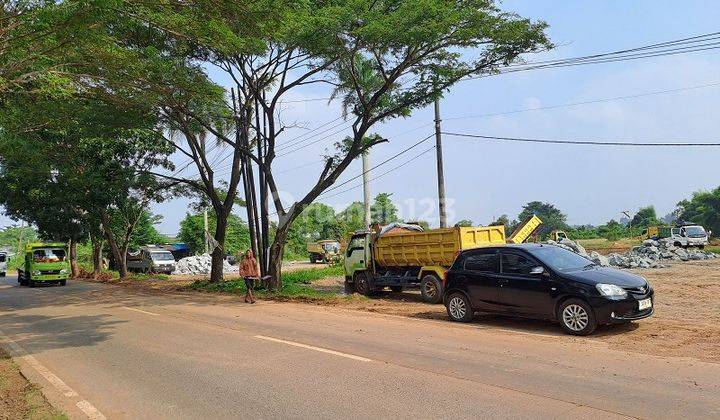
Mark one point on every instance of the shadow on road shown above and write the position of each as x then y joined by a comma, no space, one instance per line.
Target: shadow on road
36,333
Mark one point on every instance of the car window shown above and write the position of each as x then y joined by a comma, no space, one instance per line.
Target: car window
483,262
516,264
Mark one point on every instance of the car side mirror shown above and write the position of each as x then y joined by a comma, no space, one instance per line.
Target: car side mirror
536,271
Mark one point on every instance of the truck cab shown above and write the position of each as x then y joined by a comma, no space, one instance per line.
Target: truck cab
3,263
357,255
44,263
151,259
327,250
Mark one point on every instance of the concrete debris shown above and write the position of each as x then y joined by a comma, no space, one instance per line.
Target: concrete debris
200,264
648,255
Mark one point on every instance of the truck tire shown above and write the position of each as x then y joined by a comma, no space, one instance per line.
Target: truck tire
431,289
63,282
2,274
362,284
312,259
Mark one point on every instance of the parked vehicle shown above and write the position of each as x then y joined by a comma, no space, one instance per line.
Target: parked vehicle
546,282
685,235
327,250
558,235
3,263
151,259
410,259
44,263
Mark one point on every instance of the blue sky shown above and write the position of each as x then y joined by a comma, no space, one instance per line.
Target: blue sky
485,179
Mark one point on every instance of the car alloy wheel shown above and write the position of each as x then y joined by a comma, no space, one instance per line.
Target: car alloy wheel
575,317
457,307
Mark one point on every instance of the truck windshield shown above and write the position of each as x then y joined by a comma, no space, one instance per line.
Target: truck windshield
695,231
161,256
334,246
560,259
48,255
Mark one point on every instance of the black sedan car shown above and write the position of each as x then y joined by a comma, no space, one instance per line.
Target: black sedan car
546,282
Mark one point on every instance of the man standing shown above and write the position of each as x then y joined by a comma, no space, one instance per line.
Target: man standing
249,271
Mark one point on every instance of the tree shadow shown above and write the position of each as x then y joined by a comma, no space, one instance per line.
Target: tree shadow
37,333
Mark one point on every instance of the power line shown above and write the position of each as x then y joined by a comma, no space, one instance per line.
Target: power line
382,174
379,164
584,142
593,101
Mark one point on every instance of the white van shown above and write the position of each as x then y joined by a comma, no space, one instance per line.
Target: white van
3,263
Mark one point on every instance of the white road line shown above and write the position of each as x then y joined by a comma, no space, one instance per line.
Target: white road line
320,349
141,311
85,406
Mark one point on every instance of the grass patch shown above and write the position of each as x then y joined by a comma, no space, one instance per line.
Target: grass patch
143,276
312,274
19,399
296,286
713,248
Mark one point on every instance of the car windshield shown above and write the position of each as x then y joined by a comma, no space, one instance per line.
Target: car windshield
695,231
560,259
161,256
48,255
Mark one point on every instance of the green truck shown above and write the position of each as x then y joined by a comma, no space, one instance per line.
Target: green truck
44,263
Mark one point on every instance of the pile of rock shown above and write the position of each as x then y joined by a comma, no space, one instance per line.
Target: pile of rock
648,255
200,264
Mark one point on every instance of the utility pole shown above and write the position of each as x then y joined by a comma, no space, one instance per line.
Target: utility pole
366,185
440,173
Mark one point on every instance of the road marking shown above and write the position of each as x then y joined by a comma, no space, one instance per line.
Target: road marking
320,349
141,311
85,406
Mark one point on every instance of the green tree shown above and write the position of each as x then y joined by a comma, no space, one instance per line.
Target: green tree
145,232
551,216
192,233
703,208
353,217
645,217
464,223
383,210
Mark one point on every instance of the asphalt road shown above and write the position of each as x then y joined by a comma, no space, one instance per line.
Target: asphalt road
105,352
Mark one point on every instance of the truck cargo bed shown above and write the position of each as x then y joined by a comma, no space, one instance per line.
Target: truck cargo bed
436,247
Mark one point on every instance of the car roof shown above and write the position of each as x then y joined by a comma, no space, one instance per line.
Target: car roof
509,246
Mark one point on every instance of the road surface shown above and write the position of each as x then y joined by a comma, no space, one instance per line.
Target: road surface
101,351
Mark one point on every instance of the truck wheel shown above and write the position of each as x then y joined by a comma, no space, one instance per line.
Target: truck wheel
362,284
396,289
312,259
63,282
459,308
2,274
431,289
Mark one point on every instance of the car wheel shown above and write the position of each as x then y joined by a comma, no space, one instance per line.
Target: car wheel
459,308
577,317
396,289
362,284
431,289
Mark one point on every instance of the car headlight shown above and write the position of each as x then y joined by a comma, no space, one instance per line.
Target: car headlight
63,271
36,272
611,290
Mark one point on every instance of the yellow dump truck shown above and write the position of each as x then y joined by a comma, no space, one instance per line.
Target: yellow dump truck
406,259
327,250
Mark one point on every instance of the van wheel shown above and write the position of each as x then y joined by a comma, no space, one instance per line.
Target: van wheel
431,289
459,308
362,284
577,317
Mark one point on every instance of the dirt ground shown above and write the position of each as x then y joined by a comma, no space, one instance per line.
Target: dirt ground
686,322
18,398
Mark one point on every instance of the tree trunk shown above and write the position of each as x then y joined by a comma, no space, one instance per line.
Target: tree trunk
74,271
276,257
97,257
216,267
120,258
